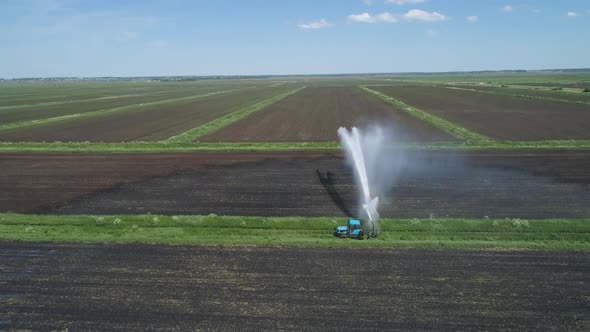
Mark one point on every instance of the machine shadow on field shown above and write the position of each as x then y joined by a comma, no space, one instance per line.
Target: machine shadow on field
327,180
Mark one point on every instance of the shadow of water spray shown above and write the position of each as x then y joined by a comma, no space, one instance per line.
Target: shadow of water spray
327,180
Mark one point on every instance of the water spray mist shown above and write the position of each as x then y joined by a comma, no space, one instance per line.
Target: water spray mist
352,142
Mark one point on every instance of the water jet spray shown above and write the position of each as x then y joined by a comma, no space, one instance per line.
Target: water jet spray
353,143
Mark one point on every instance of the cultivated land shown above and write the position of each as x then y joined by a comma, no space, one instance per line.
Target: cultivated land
475,185
269,267
528,92
150,123
28,112
315,114
499,117
43,94
139,287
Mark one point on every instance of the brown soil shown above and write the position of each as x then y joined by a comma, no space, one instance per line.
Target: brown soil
499,117
315,114
141,287
149,124
498,185
84,106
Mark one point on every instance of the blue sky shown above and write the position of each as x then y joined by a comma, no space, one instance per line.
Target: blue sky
41,38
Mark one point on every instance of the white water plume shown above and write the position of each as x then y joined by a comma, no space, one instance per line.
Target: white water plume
374,168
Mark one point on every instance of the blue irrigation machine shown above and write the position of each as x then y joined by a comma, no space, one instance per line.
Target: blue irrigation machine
354,230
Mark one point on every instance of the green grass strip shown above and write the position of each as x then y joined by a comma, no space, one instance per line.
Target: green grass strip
163,147
503,234
447,126
517,95
77,116
215,125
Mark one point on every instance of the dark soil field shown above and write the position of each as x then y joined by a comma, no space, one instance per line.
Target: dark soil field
544,93
145,287
15,94
499,117
497,185
315,114
152,123
16,114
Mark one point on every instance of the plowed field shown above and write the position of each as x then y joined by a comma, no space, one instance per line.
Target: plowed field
145,287
315,114
496,116
498,185
34,112
151,123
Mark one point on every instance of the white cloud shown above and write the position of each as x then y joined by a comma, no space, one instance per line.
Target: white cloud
403,2
368,2
572,14
417,15
386,17
414,15
361,18
472,19
368,18
314,25
507,8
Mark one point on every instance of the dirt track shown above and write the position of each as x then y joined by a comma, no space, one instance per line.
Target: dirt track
315,114
499,117
497,185
138,287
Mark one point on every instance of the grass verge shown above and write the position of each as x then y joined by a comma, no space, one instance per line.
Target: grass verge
505,234
164,147
447,126
212,126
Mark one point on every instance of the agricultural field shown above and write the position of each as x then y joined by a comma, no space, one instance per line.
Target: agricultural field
537,93
473,185
315,114
211,205
499,117
149,123
21,95
139,287
21,113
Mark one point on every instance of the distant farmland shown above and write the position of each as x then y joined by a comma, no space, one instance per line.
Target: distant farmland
150,123
315,113
497,116
43,111
574,97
